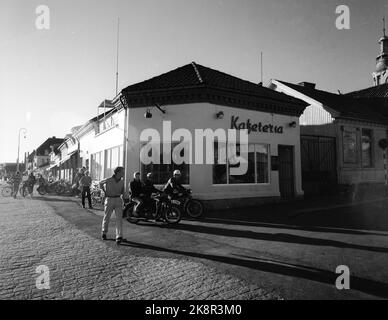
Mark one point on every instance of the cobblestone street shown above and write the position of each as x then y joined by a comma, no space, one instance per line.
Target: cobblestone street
83,267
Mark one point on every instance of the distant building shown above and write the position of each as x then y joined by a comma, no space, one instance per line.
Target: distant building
39,159
7,169
380,75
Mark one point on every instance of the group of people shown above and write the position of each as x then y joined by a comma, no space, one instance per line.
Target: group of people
17,179
141,192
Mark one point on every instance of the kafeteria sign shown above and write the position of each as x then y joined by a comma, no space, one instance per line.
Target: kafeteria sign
254,127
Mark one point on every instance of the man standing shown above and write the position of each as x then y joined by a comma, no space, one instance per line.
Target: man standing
85,182
16,179
113,188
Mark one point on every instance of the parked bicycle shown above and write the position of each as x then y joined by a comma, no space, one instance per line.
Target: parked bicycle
6,190
97,195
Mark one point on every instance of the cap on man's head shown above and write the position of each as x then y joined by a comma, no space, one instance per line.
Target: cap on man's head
136,173
118,169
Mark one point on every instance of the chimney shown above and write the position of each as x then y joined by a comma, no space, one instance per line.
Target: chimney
308,85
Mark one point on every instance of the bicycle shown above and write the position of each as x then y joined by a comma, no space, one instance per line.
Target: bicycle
97,195
7,190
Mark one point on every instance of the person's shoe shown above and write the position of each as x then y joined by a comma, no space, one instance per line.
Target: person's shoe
103,236
120,240
90,207
83,206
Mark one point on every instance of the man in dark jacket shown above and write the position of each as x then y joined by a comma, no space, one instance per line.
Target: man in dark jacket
149,189
137,192
174,184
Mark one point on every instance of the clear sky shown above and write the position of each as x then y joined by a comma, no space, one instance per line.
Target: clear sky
52,80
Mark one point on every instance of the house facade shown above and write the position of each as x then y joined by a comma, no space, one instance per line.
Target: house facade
195,97
340,136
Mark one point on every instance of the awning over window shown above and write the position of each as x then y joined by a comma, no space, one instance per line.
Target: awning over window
54,165
68,156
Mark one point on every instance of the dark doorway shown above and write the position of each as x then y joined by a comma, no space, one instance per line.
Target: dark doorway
319,164
286,171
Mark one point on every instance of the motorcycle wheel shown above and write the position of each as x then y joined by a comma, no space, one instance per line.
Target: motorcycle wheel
60,190
41,191
172,215
23,192
127,212
194,208
6,192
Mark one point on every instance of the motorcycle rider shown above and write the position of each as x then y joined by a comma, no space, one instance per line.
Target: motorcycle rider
149,189
174,184
137,193
30,183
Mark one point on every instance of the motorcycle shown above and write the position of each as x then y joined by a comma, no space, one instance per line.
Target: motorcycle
160,209
51,187
185,202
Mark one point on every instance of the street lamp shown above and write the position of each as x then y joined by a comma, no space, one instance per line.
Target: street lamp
25,132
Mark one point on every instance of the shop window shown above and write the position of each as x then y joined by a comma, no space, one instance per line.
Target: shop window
258,165
249,176
262,163
220,175
96,165
366,147
112,160
349,146
162,172
121,156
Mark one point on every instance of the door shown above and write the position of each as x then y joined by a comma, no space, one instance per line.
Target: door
286,171
319,164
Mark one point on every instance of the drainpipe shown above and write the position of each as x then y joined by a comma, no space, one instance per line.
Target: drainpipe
125,143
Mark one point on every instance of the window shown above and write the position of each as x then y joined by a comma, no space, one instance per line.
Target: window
366,148
258,164
96,165
350,146
162,172
113,159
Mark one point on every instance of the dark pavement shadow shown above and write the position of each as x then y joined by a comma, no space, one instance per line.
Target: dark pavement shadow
359,219
372,287
290,225
277,237
44,198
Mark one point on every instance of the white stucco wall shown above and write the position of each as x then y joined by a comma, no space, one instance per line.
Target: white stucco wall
202,116
90,142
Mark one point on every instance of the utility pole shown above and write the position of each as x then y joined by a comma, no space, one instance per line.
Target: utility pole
261,67
117,55
25,132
